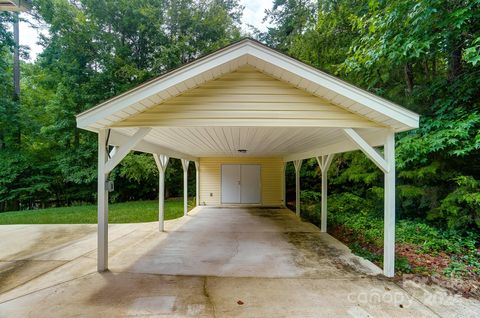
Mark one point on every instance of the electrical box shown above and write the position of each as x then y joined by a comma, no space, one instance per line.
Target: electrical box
109,186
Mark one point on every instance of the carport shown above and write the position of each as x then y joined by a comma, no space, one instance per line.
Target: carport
240,114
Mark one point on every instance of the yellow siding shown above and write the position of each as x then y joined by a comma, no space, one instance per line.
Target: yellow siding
246,97
210,178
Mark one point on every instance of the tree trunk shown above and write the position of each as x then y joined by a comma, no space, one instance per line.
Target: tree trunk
455,62
408,69
2,142
76,141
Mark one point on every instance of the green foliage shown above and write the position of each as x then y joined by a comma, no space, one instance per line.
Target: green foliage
402,265
472,54
138,167
308,196
421,54
361,228
461,207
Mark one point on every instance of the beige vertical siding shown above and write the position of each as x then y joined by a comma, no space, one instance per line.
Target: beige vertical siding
210,178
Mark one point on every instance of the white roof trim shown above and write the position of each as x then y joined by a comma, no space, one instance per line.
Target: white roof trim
244,48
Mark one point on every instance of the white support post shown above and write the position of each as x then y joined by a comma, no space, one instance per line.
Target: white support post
324,162
387,165
102,197
298,165
284,192
389,217
197,183
105,166
185,163
162,162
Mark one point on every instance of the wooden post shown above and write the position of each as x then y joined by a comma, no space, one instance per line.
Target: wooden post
162,162
298,165
105,166
185,186
197,183
324,163
284,185
387,165
389,218
102,197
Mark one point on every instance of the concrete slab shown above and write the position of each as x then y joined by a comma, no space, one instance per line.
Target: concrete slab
361,297
114,295
201,266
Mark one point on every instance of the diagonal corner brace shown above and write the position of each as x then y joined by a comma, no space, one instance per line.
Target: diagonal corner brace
368,150
124,149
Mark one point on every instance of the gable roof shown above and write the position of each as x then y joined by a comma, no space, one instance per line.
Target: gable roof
266,60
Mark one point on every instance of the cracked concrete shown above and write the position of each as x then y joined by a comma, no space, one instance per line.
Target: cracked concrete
230,262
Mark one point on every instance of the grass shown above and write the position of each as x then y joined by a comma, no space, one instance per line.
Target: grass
127,212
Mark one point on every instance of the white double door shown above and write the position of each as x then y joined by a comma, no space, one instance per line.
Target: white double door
241,184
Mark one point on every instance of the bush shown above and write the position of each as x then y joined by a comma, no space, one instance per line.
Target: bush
307,196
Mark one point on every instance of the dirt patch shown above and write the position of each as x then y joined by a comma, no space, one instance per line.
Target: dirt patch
52,238
315,256
463,287
16,273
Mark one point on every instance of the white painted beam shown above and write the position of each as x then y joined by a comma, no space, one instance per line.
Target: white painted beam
367,149
298,166
125,148
117,139
162,162
102,197
389,209
374,139
185,164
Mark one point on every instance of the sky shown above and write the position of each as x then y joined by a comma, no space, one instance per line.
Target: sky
252,14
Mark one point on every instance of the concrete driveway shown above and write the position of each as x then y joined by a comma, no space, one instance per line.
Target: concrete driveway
229,262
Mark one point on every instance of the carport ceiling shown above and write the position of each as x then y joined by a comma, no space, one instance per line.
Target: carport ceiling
258,141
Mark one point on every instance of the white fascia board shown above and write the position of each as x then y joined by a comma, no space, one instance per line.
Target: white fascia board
151,88
336,85
374,139
117,139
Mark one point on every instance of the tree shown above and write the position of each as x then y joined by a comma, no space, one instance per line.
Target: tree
421,54
95,50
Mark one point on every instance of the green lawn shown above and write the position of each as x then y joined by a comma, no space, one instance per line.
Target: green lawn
128,212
